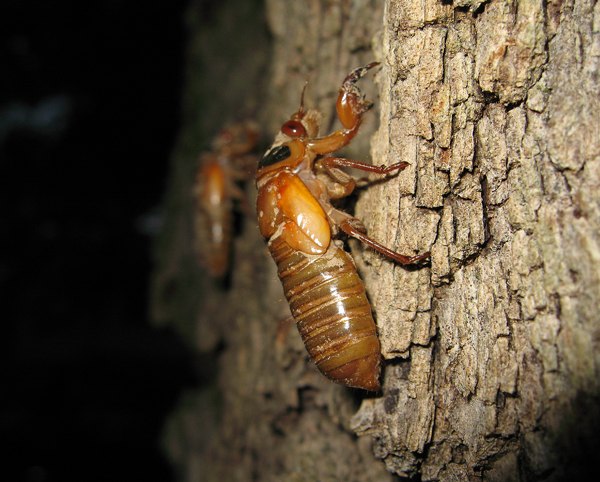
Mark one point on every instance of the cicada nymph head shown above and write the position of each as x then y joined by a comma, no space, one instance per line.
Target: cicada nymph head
303,123
288,150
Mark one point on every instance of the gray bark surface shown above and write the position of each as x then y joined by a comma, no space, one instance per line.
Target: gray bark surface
491,353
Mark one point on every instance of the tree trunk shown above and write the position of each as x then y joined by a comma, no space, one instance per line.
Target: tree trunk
491,353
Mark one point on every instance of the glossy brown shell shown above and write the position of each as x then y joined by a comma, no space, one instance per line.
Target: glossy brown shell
213,220
329,304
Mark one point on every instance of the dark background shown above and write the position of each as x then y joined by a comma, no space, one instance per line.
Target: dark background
89,109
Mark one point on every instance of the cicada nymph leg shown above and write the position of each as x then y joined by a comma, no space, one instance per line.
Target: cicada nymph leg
351,104
352,226
350,107
331,165
339,184
334,162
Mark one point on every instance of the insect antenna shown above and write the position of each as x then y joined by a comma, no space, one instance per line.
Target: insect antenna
301,111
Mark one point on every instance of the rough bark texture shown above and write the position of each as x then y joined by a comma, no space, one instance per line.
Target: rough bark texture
491,354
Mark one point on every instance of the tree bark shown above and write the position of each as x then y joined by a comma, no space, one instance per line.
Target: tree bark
491,353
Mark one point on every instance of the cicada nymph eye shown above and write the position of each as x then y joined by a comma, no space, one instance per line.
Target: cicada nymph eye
294,129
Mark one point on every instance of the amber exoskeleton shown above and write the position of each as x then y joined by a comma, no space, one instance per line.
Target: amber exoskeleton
296,179
215,191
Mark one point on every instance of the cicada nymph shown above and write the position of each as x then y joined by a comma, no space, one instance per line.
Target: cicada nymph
296,179
215,192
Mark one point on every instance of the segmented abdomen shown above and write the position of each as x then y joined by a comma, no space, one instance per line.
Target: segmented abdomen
329,304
